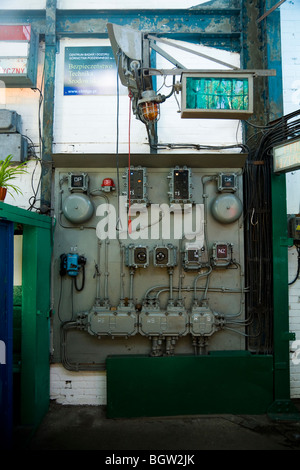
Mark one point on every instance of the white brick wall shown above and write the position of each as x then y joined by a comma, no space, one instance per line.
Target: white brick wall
98,131
26,103
77,388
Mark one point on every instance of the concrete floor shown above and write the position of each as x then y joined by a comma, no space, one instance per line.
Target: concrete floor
87,428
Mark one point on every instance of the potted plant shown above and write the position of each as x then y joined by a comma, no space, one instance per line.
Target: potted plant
7,174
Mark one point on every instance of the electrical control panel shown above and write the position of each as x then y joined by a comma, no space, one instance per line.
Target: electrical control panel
222,254
136,185
195,256
156,278
227,182
180,185
78,182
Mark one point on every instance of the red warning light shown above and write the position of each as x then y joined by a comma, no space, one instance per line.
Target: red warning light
108,184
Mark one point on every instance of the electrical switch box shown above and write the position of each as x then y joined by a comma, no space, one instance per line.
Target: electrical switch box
194,257
78,182
13,144
221,254
10,121
137,256
202,321
227,182
180,185
165,256
136,185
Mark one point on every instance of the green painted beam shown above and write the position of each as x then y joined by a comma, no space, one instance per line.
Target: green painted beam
21,216
223,382
34,325
35,333
279,230
212,24
282,407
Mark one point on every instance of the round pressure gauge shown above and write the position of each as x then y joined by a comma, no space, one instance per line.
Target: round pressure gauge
78,208
226,208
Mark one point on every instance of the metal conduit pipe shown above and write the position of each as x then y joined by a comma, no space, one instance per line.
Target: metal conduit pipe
223,290
154,288
98,272
121,273
171,285
132,272
206,287
202,345
204,196
106,274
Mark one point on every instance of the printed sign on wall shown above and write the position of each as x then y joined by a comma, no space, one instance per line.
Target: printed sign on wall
13,65
90,71
286,157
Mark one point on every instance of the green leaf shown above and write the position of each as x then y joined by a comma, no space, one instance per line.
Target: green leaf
8,173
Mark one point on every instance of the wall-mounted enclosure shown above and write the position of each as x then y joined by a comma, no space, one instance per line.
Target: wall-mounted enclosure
160,275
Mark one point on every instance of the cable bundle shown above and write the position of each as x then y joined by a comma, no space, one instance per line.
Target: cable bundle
258,227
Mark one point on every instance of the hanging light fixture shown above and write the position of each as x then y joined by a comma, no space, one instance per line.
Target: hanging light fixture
149,106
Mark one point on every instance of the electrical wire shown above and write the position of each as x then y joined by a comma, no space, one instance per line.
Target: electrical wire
258,222
33,199
79,289
162,146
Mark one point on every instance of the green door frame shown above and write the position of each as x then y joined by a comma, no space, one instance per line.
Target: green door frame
36,304
282,408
